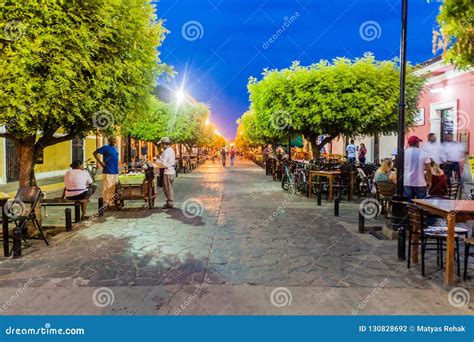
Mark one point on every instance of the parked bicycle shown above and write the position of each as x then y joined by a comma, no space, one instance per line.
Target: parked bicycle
91,167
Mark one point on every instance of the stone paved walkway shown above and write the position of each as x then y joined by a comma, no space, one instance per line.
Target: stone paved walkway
235,244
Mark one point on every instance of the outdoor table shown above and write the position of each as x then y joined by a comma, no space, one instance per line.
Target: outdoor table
454,211
330,176
3,200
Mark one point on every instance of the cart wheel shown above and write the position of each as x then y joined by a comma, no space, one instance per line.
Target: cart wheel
119,204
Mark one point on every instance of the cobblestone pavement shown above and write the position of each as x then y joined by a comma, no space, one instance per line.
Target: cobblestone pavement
235,244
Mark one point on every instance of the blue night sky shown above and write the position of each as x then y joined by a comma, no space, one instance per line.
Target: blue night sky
217,44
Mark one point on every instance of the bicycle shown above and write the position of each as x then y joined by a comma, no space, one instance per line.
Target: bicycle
300,176
91,167
287,180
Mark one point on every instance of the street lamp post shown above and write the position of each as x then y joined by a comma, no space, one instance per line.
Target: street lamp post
398,208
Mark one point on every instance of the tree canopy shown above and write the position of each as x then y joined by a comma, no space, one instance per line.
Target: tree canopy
341,97
456,36
69,67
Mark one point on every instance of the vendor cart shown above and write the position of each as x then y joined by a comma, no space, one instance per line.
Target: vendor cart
136,185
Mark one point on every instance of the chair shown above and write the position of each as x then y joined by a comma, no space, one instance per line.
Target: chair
453,190
27,198
343,182
385,192
428,237
468,242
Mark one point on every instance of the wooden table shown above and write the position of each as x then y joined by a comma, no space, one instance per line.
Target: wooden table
454,211
330,176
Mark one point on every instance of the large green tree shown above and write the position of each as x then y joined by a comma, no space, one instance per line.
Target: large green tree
70,67
341,97
456,36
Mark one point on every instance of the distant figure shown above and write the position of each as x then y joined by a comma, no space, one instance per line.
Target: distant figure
133,153
79,185
351,152
144,151
168,158
232,155
110,172
362,153
454,154
439,182
416,163
223,156
434,149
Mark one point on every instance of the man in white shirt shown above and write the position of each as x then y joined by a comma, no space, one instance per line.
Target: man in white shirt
168,159
417,161
454,154
351,152
78,185
434,149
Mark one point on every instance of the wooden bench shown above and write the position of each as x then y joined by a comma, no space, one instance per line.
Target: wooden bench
62,202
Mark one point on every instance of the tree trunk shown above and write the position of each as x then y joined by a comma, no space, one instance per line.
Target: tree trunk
316,151
26,157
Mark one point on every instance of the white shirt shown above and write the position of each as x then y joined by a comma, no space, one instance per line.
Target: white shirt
454,151
76,182
435,151
414,172
351,151
168,158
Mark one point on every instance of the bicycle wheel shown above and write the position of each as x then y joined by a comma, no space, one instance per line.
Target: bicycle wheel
285,182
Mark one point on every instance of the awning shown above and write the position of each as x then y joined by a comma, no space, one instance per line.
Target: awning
297,141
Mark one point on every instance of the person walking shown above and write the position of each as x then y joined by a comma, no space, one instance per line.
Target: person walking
434,149
362,153
223,155
351,152
109,163
417,162
168,159
232,155
454,154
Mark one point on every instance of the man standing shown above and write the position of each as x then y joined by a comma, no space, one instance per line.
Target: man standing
223,155
168,159
144,151
434,149
454,154
417,161
351,152
109,164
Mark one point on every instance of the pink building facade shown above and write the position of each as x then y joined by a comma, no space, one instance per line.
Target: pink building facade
447,104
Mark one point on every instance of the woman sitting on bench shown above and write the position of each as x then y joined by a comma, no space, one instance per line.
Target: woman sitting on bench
79,185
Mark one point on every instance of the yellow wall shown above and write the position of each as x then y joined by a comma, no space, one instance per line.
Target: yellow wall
90,147
56,157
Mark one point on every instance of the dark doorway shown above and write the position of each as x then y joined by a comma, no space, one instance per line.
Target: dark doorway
12,164
78,149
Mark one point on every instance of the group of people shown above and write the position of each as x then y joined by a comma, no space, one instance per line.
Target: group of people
232,152
352,150
428,168
79,185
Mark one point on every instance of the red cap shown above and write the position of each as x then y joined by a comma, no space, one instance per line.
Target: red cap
413,140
